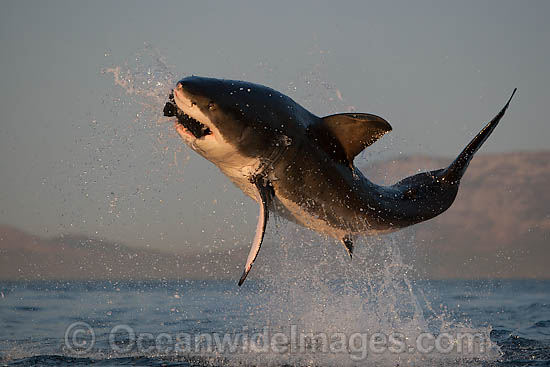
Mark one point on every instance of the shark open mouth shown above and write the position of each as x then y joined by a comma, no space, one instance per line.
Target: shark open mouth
193,126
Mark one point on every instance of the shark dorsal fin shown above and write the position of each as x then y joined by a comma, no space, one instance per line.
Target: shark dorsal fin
345,135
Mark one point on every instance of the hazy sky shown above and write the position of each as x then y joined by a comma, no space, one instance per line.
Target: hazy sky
75,157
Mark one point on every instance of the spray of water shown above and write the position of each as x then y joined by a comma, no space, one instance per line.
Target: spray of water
312,289
146,82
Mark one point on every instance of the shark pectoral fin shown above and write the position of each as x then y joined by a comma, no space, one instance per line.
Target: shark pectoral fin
264,195
345,135
348,244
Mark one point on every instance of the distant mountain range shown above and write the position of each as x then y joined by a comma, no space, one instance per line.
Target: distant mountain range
24,256
498,227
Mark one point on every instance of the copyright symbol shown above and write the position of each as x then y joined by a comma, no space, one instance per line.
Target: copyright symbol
79,337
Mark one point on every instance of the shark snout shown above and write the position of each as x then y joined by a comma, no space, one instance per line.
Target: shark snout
184,85
178,89
184,97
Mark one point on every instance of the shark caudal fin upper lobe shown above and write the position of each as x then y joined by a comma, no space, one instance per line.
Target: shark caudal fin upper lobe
428,194
456,170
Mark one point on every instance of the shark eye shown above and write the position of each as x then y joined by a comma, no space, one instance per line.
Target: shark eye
211,106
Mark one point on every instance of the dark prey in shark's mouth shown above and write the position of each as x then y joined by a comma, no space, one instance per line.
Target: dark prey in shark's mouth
301,166
192,125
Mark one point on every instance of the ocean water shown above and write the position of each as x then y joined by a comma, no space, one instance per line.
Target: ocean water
322,313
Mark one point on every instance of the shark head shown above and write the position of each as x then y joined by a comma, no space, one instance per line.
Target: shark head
226,120
204,123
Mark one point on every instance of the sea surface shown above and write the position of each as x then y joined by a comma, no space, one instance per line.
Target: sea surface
175,323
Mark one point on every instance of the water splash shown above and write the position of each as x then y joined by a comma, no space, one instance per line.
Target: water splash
131,138
146,82
312,289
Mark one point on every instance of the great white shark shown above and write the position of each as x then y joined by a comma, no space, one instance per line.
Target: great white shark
300,166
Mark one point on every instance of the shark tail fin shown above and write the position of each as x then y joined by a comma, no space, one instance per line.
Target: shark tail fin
454,172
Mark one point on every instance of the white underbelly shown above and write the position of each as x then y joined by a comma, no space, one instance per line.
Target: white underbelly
240,172
290,210
296,213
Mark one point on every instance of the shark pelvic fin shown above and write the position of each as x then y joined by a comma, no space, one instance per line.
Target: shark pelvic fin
347,241
264,194
345,135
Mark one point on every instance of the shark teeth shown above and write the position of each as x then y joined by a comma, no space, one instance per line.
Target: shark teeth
196,128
